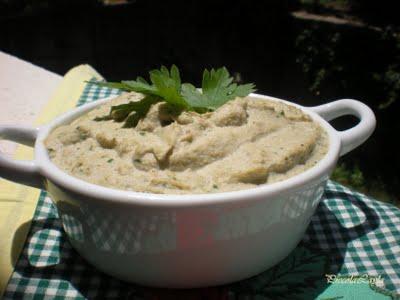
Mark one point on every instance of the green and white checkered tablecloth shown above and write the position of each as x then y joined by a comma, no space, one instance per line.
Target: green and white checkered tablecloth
350,234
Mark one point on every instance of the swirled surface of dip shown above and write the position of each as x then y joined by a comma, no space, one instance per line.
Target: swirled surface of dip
245,143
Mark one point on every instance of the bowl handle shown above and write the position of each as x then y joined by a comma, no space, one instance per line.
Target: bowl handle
21,171
355,136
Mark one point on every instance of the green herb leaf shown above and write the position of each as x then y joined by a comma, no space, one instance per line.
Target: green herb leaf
131,112
217,89
140,86
165,85
103,118
168,85
111,85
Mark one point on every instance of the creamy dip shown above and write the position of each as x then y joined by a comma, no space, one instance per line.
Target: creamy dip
243,144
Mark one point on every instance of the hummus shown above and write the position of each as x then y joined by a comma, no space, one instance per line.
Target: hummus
245,143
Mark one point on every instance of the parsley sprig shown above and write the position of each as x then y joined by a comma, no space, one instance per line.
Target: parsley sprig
217,88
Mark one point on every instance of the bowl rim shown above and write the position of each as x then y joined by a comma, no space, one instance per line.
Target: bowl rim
95,192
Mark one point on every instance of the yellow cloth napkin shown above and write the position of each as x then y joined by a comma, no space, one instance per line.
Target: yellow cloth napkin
18,202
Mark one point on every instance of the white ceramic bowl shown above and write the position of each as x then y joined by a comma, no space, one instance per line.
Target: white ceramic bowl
185,241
